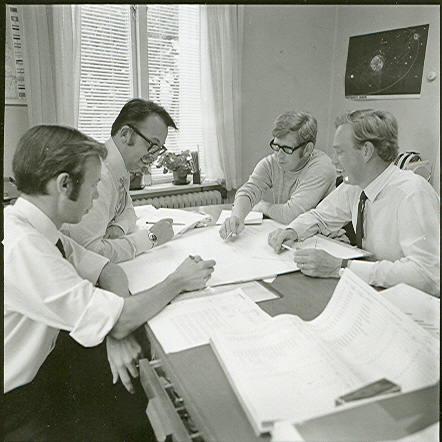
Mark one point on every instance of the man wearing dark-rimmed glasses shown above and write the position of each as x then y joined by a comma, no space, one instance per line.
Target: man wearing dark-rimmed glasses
290,181
137,139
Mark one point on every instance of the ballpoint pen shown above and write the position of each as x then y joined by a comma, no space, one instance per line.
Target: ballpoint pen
228,236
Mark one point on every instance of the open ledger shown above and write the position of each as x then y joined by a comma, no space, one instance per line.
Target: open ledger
290,369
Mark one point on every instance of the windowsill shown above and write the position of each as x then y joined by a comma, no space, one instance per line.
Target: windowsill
165,189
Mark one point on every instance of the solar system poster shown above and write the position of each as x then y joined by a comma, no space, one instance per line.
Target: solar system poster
386,64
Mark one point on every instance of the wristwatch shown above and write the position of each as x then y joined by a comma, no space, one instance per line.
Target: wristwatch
153,238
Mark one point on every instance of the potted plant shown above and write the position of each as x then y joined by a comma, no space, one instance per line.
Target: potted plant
181,164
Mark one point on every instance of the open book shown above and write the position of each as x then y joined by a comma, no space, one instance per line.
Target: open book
290,369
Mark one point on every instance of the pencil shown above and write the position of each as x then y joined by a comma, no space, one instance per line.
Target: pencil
285,246
228,236
173,224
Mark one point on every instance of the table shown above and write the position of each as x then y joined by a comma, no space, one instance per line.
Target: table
207,397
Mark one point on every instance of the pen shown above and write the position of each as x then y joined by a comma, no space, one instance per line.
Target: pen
228,236
285,246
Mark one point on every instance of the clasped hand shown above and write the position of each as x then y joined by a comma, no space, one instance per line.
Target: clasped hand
123,356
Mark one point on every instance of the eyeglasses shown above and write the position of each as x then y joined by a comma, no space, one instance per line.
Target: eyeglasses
153,148
287,149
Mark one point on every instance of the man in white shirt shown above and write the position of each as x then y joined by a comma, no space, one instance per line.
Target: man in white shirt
394,212
298,175
137,139
51,283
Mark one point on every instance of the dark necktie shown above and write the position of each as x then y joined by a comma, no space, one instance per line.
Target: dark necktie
360,220
60,247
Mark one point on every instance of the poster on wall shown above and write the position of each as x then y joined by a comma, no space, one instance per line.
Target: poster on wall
15,90
386,64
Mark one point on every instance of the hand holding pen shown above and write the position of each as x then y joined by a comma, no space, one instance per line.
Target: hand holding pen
231,227
163,230
193,273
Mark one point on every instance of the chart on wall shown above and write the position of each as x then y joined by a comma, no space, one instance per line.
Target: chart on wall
386,64
15,92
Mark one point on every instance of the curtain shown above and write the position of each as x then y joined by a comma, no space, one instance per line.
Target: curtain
51,37
221,57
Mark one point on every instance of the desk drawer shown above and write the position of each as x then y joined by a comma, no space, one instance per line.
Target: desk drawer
166,411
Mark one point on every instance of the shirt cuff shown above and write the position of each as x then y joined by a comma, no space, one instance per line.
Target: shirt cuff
98,318
91,265
363,269
141,241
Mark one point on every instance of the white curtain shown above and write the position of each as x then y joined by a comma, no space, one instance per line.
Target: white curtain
221,57
51,37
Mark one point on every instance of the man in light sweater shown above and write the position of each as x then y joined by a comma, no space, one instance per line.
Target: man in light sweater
298,175
395,212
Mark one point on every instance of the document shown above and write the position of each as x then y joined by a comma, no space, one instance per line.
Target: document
253,289
290,369
332,246
244,258
183,220
422,308
251,218
188,324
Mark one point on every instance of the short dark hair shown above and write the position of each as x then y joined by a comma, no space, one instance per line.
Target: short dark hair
377,126
137,110
44,152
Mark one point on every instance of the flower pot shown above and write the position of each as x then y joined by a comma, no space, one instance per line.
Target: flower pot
180,177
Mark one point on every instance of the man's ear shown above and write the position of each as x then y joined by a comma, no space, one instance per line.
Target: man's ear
64,184
308,149
125,134
368,151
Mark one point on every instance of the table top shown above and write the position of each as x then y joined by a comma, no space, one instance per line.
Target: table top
201,382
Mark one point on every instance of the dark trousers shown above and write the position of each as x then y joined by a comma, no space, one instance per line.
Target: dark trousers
73,398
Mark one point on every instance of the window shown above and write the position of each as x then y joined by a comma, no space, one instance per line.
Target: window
126,50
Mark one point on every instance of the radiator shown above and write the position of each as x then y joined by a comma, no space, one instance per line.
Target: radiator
205,198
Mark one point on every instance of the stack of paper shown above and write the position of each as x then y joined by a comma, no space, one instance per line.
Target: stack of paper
183,220
251,218
290,369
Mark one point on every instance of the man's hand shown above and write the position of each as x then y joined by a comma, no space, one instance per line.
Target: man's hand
113,232
318,263
193,273
279,236
231,226
123,356
163,230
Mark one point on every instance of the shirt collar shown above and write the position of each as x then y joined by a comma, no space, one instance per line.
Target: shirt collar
37,219
380,182
114,161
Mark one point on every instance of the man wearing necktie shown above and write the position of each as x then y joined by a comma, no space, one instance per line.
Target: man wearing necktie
53,284
137,139
395,213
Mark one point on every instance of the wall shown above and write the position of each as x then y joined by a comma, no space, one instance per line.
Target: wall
287,54
16,124
418,119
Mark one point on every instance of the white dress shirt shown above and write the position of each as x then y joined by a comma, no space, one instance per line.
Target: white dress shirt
45,293
112,208
401,228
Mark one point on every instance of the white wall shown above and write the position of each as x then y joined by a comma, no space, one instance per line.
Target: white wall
287,55
418,119
15,125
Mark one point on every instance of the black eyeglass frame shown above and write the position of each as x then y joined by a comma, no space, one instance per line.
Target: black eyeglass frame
160,150
287,149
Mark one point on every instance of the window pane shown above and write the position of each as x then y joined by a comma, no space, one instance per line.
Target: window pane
173,53
106,67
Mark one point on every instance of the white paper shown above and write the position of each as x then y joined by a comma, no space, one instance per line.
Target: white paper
292,369
184,325
423,308
183,220
285,431
251,218
332,246
253,289
244,258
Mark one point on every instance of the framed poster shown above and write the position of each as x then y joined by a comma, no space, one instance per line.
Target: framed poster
15,90
386,64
